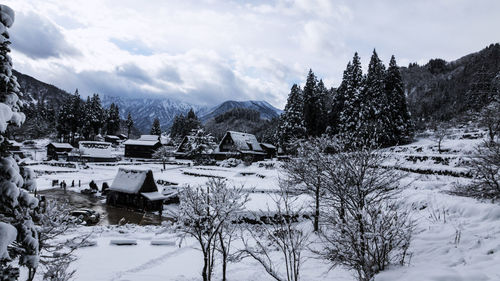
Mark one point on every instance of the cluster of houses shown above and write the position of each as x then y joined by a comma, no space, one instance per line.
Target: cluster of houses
233,145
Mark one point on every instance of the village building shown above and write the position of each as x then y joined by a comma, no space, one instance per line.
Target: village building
144,147
122,136
239,145
137,189
269,149
112,139
58,151
96,151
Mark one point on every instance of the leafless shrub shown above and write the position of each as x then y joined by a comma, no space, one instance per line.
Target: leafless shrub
283,235
363,228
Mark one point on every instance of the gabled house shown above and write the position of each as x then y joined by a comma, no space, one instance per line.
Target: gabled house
58,151
240,145
112,139
144,147
135,188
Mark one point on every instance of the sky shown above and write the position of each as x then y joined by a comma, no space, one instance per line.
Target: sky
208,51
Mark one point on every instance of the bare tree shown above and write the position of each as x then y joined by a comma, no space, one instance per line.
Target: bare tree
304,172
490,118
485,167
283,233
363,228
163,153
205,213
56,255
440,133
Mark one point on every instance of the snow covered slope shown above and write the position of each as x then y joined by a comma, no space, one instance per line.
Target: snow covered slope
266,110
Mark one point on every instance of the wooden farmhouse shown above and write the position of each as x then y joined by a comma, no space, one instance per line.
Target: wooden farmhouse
144,147
239,145
58,151
269,149
135,188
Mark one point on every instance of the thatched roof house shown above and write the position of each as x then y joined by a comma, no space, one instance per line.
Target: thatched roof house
135,188
237,144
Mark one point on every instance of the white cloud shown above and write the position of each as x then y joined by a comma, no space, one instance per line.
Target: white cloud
209,51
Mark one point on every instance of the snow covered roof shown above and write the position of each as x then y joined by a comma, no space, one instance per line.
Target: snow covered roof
133,180
61,145
112,137
244,141
154,196
267,145
141,142
149,138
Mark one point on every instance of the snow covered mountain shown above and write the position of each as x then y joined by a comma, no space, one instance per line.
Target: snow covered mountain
266,110
145,110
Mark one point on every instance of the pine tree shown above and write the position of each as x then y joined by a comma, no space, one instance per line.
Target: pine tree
348,99
113,119
86,119
291,124
375,117
75,117
400,123
311,105
130,123
64,118
95,114
19,236
155,128
177,131
191,123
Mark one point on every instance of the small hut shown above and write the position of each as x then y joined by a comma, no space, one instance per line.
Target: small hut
269,149
144,147
135,188
58,151
96,151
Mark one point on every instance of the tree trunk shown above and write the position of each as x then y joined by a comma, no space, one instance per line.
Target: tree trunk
316,213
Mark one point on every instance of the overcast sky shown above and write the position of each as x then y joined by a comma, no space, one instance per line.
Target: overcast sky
208,51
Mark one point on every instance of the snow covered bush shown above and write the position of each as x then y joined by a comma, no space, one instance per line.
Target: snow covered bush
363,228
206,214
485,168
19,236
231,163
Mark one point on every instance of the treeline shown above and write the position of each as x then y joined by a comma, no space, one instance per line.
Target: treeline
365,109
78,119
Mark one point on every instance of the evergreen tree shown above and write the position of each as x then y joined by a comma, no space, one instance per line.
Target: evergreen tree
130,123
95,114
348,99
64,119
311,105
375,112
87,125
155,128
400,119
291,124
323,101
75,117
18,234
113,119
177,129
191,124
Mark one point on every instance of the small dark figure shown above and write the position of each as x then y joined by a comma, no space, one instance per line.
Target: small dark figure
79,183
93,185
73,183
104,188
63,186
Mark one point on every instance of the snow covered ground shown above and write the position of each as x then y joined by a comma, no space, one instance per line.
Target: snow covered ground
456,238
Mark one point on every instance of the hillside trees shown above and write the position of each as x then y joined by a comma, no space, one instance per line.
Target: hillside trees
129,123
112,119
367,108
183,125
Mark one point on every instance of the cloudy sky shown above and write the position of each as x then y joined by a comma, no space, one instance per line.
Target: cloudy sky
208,51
